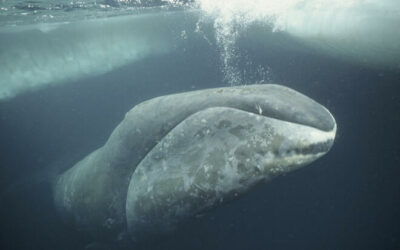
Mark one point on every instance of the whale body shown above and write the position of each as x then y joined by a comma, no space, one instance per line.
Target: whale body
174,157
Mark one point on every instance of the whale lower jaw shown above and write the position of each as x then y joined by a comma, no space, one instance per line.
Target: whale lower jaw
179,179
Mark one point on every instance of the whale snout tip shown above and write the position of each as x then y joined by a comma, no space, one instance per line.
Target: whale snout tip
298,130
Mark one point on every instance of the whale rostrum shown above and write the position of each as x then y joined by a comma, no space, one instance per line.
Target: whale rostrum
176,156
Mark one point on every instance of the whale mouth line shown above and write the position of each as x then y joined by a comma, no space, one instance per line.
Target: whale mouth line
311,149
259,113
317,147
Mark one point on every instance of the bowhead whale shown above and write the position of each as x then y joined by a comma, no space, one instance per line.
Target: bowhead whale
176,156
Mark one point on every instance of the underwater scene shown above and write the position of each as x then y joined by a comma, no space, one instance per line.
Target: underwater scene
199,124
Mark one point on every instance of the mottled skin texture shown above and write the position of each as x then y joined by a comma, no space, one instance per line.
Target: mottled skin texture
210,158
175,156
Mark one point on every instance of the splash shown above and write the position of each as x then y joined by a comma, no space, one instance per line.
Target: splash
358,30
231,18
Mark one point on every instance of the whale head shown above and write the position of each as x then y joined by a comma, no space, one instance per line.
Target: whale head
220,152
177,156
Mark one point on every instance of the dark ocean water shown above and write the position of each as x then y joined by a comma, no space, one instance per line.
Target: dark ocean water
348,199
